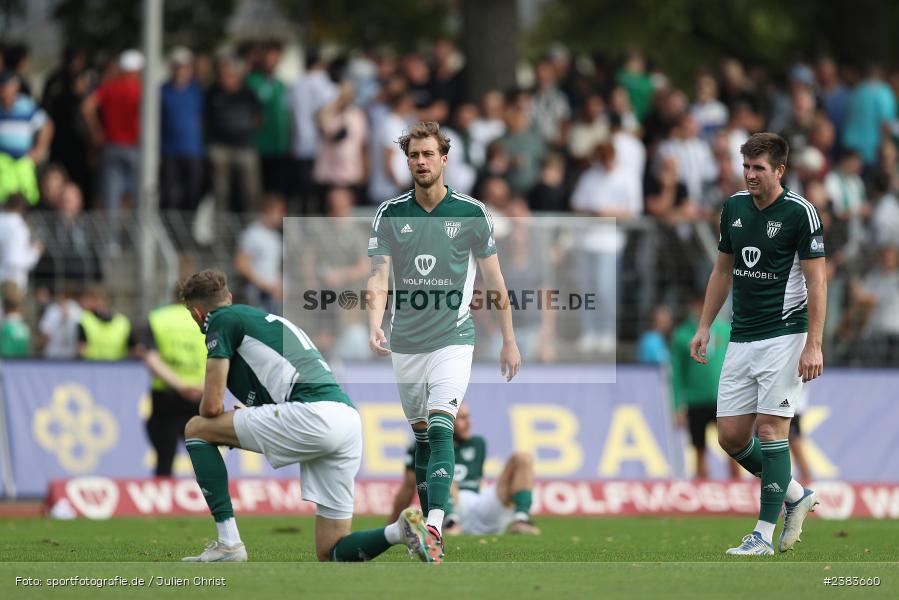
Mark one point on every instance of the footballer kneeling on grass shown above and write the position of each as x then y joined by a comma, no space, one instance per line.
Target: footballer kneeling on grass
295,413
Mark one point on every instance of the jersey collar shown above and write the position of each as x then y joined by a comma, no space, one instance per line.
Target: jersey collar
782,196
209,316
449,194
779,199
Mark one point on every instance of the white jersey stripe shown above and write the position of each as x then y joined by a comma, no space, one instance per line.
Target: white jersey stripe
814,221
276,374
795,292
467,290
477,203
808,215
386,204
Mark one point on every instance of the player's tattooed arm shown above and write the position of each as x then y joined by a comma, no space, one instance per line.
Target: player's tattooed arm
375,302
379,265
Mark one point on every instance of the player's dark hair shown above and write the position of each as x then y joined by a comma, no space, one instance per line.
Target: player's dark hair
424,130
771,144
208,289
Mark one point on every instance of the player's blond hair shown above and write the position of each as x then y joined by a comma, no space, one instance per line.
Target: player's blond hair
206,289
424,130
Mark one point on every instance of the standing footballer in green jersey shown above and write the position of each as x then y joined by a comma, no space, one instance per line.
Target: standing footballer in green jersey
502,507
431,240
771,252
294,413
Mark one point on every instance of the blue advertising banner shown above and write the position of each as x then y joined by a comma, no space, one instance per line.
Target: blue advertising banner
68,418
77,419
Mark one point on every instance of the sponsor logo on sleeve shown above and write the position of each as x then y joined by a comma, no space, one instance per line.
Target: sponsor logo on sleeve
817,244
372,243
212,340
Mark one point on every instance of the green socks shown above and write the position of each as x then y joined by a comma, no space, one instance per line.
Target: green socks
522,500
360,546
442,463
422,456
212,476
775,478
750,457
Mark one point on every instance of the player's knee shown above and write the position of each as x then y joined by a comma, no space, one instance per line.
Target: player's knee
194,428
767,432
523,460
729,442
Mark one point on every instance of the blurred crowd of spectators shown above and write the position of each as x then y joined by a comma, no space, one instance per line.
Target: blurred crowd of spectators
591,136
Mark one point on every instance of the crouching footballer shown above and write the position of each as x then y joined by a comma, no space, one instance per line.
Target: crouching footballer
295,413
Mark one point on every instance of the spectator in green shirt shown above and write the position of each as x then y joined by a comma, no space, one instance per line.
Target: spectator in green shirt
15,336
695,386
273,139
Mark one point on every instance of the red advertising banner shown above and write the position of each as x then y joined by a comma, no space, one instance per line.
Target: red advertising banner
102,498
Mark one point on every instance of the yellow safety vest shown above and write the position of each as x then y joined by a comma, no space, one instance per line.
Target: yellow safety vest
105,340
18,175
180,343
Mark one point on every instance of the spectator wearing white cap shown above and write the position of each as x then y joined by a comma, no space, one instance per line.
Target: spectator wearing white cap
112,114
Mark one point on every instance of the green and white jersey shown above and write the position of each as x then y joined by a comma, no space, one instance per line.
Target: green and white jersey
770,297
272,360
470,457
434,262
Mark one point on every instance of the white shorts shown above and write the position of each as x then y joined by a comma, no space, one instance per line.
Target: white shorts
433,380
325,438
761,377
483,513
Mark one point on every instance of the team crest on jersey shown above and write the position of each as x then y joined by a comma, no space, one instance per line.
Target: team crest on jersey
773,228
452,228
467,454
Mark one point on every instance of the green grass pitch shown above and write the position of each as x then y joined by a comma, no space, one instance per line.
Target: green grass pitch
628,558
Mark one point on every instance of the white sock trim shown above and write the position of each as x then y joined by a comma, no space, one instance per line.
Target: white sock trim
794,491
435,519
393,533
766,529
228,533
